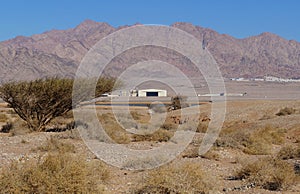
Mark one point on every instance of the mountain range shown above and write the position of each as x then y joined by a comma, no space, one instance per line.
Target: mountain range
59,52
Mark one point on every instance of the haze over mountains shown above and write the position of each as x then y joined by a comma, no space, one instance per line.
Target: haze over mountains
59,52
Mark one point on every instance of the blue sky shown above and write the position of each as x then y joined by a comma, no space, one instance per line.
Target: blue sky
238,18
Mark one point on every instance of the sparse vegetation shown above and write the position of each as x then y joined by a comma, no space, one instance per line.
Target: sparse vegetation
286,111
6,128
135,115
176,178
202,127
113,129
40,101
289,152
179,102
268,173
159,135
256,142
54,173
55,145
3,118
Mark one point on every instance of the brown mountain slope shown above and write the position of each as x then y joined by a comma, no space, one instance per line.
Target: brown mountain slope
24,64
58,52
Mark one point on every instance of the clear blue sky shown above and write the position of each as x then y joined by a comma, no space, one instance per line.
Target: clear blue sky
238,18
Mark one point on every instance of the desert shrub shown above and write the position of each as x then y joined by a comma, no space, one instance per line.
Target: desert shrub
193,152
289,152
286,111
234,138
3,118
211,155
40,101
176,178
178,102
56,145
135,115
55,173
268,173
169,126
6,128
202,127
256,142
113,129
159,135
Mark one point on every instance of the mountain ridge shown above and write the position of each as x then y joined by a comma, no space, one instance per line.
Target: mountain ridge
254,56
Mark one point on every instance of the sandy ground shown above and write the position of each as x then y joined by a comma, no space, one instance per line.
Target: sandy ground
243,114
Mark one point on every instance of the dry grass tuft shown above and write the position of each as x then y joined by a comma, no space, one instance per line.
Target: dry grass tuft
176,178
256,142
268,173
286,111
113,129
193,152
3,118
202,127
56,173
56,145
289,152
160,135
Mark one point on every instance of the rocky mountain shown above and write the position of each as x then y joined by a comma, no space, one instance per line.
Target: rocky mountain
59,52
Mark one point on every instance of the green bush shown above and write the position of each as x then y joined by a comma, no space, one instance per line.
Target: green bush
40,101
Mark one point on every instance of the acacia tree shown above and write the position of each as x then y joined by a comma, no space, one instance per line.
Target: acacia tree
38,102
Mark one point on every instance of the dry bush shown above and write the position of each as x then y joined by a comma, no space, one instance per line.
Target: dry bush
56,145
55,173
286,111
202,127
169,126
3,118
120,135
6,128
113,129
234,138
135,115
193,152
268,173
211,155
289,152
179,102
256,142
159,135
176,178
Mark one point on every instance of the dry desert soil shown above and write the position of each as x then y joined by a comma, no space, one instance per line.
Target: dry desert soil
252,130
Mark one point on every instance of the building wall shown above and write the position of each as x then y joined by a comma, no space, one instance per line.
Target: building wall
143,93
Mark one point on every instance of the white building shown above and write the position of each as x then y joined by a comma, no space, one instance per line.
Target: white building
152,93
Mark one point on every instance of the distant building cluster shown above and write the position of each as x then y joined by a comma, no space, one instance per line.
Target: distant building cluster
141,93
267,79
